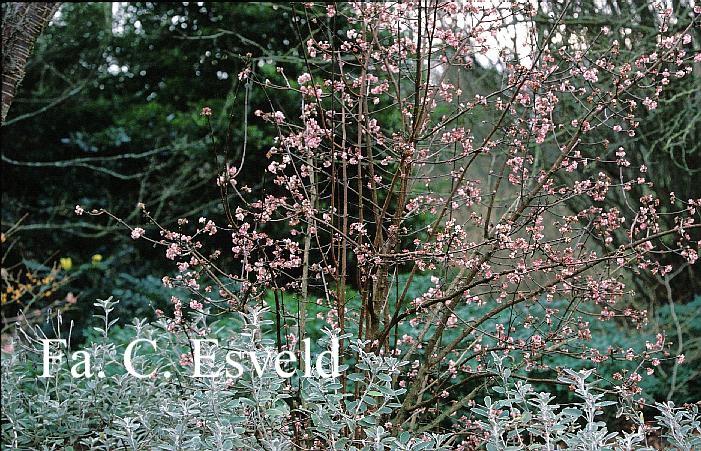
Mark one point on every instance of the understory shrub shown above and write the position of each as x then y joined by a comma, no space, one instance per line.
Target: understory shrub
119,411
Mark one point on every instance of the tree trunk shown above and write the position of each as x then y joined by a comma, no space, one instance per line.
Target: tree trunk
22,23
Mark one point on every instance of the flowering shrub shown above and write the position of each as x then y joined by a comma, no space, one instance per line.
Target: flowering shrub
395,173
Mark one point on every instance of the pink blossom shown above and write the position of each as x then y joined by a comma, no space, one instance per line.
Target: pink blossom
210,228
173,251
305,77
591,75
185,360
650,104
244,74
137,233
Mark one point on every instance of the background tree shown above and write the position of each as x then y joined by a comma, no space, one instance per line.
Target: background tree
107,115
22,23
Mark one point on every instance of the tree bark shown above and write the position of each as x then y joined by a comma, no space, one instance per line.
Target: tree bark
22,23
